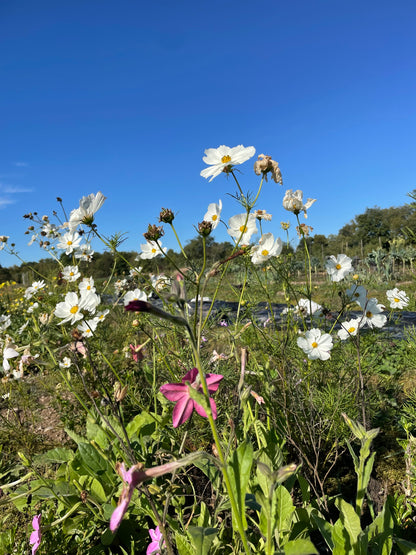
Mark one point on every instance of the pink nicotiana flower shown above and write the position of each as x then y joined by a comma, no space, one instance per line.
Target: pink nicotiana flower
185,405
131,479
157,541
136,352
36,535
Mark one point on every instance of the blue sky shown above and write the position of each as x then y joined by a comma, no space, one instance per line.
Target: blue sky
124,97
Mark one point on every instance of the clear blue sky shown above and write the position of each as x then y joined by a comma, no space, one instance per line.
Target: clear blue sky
124,97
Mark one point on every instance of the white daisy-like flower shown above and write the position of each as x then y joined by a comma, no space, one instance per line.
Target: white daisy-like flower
34,288
88,206
349,328
268,246
262,215
65,363
70,309
398,299
90,300
293,202
8,352
338,267
224,158
5,322
150,249
86,285
33,307
100,317
84,252
69,242
315,344
136,295
71,273
373,316
23,327
87,328
213,214
119,285
242,227
357,293
160,282
135,272
308,307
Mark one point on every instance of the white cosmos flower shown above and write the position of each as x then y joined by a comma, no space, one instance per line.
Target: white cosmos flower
100,317
119,285
84,252
90,300
242,227
150,249
309,307
8,352
349,328
66,362
373,316
69,242
338,267
88,206
398,299
357,293
136,295
293,202
36,286
33,307
213,213
87,328
70,309
315,344
71,273
87,285
223,158
268,246
5,322
262,215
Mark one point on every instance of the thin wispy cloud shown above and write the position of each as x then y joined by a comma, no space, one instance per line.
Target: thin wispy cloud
20,164
5,202
12,190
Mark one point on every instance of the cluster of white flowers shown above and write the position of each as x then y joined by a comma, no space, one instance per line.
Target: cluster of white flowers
34,288
70,310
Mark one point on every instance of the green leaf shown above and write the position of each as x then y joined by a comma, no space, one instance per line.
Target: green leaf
92,458
96,433
285,509
325,528
406,547
183,546
202,538
239,473
58,455
300,547
142,424
349,519
340,539
97,491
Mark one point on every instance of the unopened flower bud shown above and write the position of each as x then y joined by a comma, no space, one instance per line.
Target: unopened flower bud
153,233
204,228
59,199
166,216
119,392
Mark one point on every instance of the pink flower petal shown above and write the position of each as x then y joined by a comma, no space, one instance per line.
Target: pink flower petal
174,391
182,411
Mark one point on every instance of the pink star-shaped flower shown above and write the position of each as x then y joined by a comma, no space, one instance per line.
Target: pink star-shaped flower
179,394
36,535
156,543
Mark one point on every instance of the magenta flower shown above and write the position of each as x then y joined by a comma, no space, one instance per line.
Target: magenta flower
131,479
136,352
157,541
179,394
36,535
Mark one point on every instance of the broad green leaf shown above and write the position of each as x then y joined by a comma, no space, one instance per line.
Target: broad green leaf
406,547
204,517
239,470
285,509
183,546
349,519
58,455
92,458
97,491
340,539
325,528
141,422
300,547
202,538
96,433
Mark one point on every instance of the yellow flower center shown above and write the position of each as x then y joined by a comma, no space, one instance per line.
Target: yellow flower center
74,309
264,252
396,300
338,266
69,243
351,329
153,250
71,273
314,344
243,228
226,159
369,314
214,218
